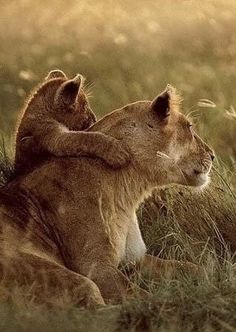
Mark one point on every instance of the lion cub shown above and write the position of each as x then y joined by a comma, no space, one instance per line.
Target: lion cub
44,130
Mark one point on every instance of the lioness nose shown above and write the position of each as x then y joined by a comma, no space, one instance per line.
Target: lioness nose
212,155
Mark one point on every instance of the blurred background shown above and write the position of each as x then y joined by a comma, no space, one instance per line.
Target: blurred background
128,50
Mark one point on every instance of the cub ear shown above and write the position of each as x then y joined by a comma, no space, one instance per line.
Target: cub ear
56,73
161,105
68,91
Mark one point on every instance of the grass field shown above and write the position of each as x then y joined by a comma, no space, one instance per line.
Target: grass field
130,50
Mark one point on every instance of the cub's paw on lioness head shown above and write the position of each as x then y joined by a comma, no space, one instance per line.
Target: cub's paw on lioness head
117,154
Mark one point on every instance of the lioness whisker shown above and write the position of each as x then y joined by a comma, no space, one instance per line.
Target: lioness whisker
163,155
192,112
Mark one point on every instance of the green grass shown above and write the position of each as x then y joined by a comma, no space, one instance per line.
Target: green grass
130,50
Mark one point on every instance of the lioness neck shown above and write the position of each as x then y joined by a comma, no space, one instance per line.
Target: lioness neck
131,187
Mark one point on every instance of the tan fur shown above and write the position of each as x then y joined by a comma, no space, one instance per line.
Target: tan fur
79,215
52,124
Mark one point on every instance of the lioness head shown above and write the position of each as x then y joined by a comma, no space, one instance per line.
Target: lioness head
68,101
162,140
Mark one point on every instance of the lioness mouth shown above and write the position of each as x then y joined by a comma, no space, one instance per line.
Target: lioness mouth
197,172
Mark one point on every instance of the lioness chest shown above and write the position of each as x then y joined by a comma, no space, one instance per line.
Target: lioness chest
134,247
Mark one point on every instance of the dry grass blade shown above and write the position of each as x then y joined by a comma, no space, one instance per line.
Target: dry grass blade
231,113
206,103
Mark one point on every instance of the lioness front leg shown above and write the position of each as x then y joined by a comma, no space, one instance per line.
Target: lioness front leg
48,281
156,267
113,284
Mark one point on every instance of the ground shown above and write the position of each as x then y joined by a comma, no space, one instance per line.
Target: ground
130,50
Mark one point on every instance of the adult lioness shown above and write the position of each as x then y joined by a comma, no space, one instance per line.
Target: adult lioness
79,220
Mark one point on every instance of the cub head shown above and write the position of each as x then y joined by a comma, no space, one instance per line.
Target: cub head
67,101
165,147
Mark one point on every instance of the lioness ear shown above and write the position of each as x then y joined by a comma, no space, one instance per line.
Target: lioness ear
56,73
161,105
68,91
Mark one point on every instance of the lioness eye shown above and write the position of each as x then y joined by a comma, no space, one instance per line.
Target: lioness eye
149,125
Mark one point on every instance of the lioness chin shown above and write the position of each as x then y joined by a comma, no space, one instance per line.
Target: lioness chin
79,222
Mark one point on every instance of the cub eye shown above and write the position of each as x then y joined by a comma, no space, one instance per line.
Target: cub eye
190,124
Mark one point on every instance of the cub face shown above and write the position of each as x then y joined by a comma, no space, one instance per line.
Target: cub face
165,147
69,103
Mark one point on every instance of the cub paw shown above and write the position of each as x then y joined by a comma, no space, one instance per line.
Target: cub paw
117,155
